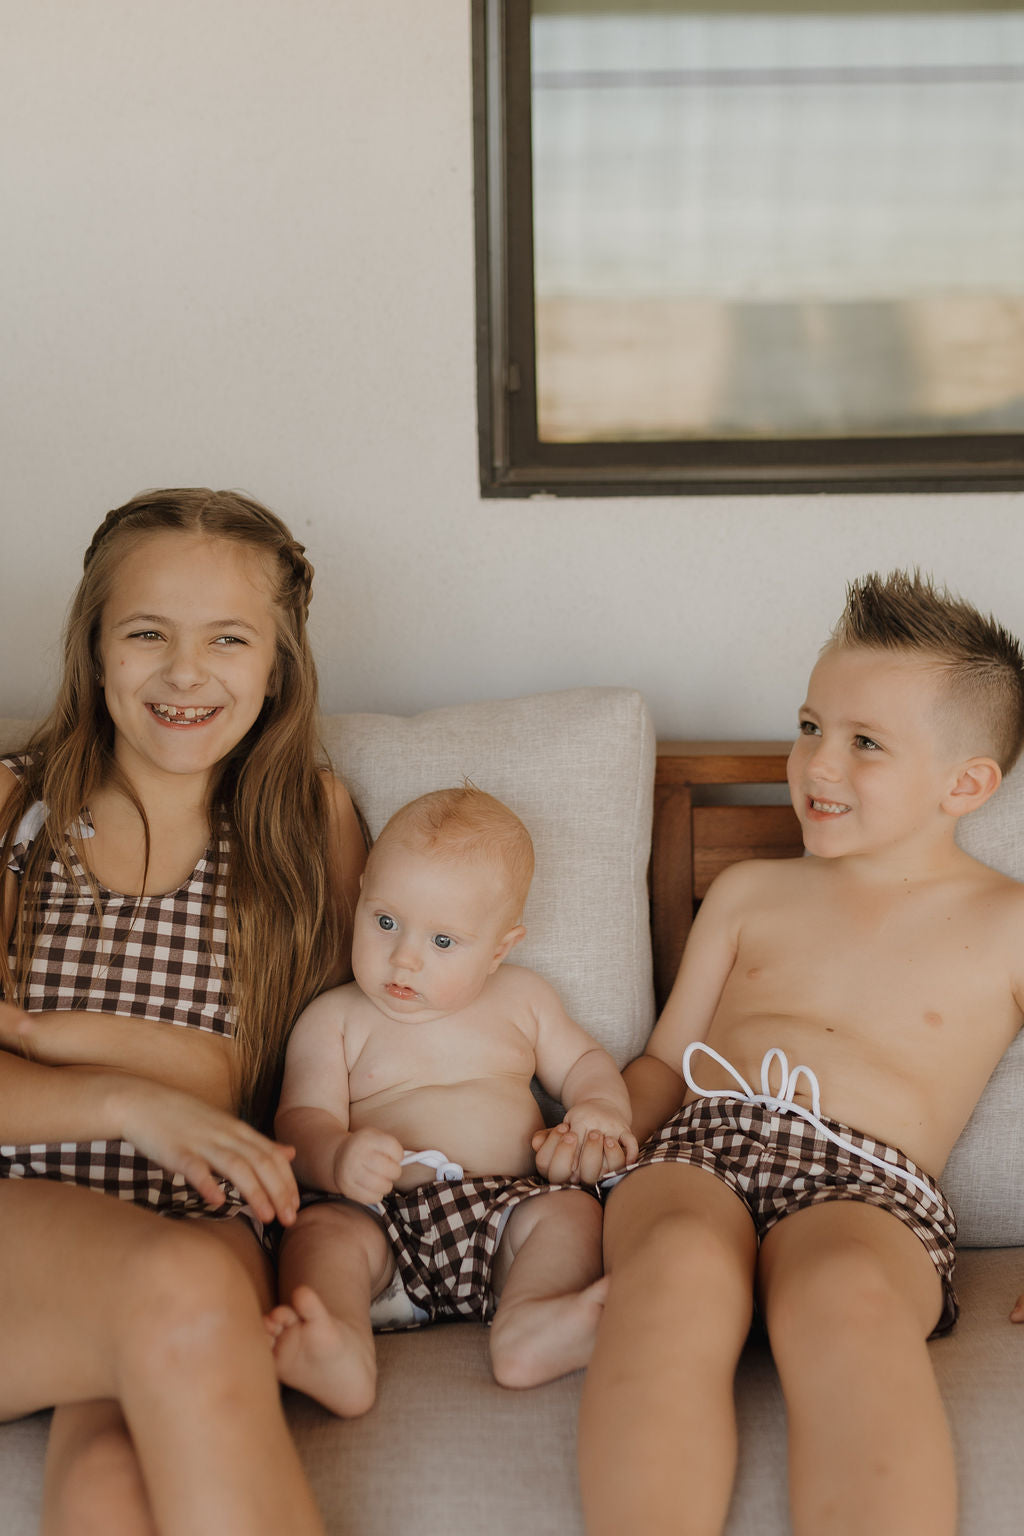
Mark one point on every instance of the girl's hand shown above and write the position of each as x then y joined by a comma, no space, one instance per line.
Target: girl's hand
186,1136
367,1164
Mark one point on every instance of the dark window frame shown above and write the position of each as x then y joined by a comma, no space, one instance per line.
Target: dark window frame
514,462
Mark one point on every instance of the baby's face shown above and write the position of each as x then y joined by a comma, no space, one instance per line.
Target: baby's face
428,932
870,766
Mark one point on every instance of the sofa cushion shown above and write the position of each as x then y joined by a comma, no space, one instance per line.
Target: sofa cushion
578,767
985,1173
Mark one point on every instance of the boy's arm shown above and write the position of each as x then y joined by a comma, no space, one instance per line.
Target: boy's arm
313,1113
655,1079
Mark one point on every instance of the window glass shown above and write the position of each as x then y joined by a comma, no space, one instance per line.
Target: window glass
763,224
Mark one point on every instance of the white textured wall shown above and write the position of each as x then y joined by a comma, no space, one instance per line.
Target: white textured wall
237,251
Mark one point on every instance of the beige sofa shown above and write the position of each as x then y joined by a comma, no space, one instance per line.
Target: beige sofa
446,1452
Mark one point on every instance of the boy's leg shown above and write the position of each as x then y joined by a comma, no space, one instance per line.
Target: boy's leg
333,1262
850,1295
547,1274
101,1300
92,1481
657,1417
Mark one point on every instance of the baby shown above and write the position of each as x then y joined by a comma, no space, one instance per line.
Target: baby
407,1098
834,1021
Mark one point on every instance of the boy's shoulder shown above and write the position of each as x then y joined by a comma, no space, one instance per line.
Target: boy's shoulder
757,880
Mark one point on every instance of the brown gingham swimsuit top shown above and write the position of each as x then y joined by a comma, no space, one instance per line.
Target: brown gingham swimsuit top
158,957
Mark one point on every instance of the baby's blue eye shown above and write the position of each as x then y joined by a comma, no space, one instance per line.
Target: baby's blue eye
385,922
442,941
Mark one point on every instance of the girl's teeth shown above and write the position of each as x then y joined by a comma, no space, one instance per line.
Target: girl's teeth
167,712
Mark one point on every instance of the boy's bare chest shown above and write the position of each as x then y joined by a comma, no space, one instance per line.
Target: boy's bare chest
916,968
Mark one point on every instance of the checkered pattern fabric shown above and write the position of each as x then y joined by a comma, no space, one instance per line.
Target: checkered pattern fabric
445,1237
778,1163
156,957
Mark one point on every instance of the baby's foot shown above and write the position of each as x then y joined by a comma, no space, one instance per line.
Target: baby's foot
540,1338
319,1354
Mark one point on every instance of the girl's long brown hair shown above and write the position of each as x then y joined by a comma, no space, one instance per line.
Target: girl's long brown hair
269,801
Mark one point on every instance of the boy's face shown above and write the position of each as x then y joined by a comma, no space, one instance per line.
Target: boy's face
870,766
428,932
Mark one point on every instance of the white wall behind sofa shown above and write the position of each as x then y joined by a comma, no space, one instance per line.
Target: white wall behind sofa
238,251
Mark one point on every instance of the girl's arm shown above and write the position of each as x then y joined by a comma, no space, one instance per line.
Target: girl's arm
195,1061
40,1104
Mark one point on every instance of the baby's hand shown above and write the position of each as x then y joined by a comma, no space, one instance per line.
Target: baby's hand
367,1164
605,1118
562,1158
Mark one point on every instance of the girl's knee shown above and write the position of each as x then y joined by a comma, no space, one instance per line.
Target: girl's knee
183,1295
95,1486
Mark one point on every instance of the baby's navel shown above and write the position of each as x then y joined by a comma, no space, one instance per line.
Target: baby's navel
934,1019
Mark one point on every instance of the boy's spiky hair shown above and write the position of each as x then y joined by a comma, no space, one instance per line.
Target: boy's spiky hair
981,662
468,823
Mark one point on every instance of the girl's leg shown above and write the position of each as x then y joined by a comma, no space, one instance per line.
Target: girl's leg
850,1296
657,1420
548,1276
99,1299
333,1262
92,1480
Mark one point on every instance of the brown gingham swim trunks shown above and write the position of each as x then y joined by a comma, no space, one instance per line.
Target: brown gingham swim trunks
778,1160
445,1238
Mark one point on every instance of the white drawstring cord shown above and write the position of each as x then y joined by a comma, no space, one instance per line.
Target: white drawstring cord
447,1171
784,1103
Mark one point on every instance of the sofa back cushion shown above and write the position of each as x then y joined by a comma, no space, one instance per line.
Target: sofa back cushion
578,767
985,1173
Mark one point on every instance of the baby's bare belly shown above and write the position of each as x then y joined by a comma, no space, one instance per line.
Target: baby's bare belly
485,1125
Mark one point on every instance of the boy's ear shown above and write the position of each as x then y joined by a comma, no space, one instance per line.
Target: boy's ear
507,942
978,781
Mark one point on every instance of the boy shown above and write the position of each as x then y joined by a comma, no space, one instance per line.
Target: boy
893,965
434,1045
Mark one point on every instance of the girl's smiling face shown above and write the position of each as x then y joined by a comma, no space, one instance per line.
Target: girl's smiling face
187,645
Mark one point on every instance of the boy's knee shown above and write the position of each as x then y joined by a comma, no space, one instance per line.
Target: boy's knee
839,1291
684,1248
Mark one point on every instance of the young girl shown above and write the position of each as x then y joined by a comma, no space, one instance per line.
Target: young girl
170,855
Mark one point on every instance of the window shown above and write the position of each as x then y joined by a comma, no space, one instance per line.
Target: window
747,248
